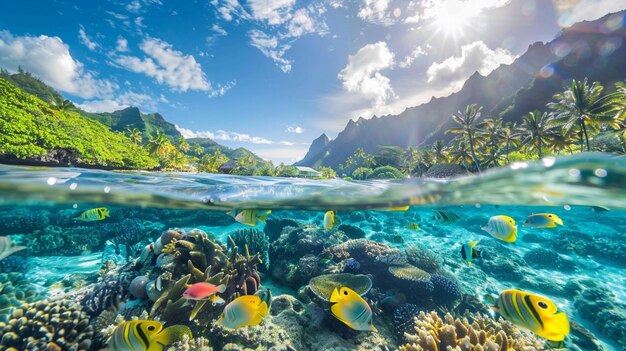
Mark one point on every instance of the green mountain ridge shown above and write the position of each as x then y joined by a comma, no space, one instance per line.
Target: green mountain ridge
118,121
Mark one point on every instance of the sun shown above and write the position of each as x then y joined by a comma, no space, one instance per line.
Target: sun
452,18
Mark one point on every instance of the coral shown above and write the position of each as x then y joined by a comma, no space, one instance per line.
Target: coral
23,220
15,290
107,294
446,292
256,241
372,256
13,263
423,258
138,286
410,273
548,259
404,318
350,265
192,258
128,232
322,286
47,325
432,333
274,227
351,231
612,247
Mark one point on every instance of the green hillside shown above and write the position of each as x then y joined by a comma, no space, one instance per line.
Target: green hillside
32,85
131,117
209,146
32,131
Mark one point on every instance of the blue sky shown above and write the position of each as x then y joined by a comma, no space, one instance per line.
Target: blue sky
272,75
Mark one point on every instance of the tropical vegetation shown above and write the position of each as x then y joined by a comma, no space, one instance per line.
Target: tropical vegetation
583,117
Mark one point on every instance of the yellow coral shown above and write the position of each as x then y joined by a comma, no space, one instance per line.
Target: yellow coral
484,334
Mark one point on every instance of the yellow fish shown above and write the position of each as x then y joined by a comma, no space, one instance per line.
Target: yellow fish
543,220
502,228
95,214
250,217
413,226
533,312
397,208
144,335
329,220
350,308
247,310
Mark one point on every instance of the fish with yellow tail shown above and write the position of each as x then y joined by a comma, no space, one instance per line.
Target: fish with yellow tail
247,310
329,220
502,228
469,252
413,226
95,214
543,220
249,217
8,247
533,312
350,308
145,335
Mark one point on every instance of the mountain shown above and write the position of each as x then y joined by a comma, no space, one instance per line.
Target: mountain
32,85
34,132
591,49
210,146
131,117
316,152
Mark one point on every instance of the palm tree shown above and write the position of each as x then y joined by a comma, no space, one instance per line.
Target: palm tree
620,94
64,105
459,153
135,135
468,127
584,105
160,145
535,128
412,160
183,145
560,140
492,132
439,152
197,149
510,134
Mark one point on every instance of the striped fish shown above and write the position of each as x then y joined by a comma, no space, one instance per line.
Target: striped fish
533,312
249,217
502,228
8,247
95,214
144,335
446,217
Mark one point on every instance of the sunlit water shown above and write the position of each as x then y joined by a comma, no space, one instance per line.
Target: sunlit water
591,244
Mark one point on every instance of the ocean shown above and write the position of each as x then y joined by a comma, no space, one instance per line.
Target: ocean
69,277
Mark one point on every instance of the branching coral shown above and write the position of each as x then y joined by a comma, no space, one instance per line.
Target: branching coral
433,334
256,241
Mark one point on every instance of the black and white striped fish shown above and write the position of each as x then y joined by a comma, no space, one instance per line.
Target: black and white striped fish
446,217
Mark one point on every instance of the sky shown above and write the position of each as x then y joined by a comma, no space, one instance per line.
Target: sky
272,75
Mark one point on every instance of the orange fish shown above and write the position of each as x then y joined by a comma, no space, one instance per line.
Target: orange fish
202,290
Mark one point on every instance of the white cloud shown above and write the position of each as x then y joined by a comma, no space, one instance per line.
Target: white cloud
49,59
270,47
274,12
430,9
408,60
571,12
475,56
219,30
168,66
221,89
294,129
362,74
84,38
230,9
301,23
223,136
122,101
122,44
375,11
133,6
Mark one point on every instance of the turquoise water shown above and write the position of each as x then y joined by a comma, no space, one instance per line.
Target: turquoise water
579,266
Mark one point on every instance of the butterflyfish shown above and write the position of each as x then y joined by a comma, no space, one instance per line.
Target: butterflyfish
350,308
446,217
145,335
468,252
502,228
247,310
533,312
95,214
543,220
329,220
